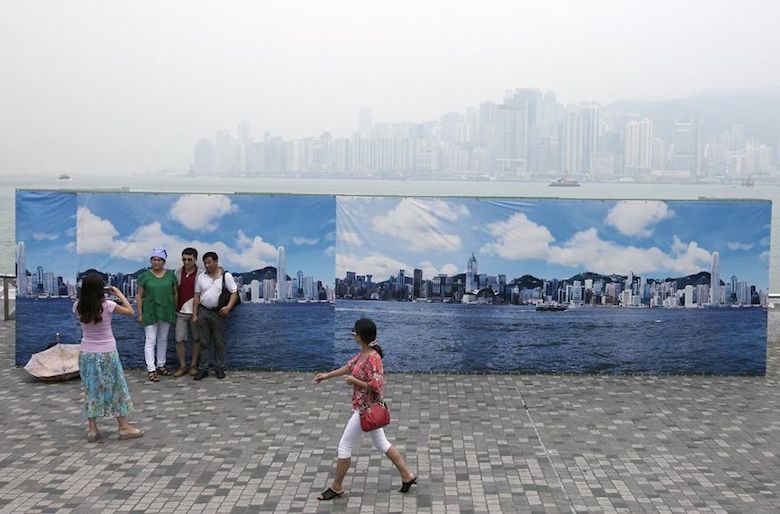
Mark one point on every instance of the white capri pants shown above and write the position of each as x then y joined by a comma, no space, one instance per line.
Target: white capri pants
156,335
351,437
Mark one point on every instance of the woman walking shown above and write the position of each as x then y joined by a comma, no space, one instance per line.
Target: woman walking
105,387
366,376
156,301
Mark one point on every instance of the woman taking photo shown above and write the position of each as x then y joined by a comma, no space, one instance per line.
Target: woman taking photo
365,374
105,387
156,301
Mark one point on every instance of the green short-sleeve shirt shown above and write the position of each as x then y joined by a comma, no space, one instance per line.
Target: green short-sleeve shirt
158,297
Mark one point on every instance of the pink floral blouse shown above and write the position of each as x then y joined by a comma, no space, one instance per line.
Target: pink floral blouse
371,372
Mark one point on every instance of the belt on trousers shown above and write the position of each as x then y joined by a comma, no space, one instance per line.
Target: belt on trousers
213,309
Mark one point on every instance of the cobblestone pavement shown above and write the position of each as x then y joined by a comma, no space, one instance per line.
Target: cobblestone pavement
265,441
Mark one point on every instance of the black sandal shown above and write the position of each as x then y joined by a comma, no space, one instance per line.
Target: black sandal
405,486
329,494
163,371
153,376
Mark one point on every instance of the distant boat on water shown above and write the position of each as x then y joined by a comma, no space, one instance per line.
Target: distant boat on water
64,176
551,307
564,182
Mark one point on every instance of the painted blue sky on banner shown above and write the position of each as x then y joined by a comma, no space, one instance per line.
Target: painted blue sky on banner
117,231
46,224
553,238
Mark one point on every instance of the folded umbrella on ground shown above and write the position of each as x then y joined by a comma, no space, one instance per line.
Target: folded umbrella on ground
60,362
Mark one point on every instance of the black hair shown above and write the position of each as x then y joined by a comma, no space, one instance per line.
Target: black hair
366,330
190,251
91,297
210,255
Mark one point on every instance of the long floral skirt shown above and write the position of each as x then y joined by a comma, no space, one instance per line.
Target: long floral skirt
105,387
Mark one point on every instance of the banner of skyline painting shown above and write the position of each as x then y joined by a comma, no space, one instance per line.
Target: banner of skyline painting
281,324
557,286
455,285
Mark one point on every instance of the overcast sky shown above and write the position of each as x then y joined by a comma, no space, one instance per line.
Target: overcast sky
90,86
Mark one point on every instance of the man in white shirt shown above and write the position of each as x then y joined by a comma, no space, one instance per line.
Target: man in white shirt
209,315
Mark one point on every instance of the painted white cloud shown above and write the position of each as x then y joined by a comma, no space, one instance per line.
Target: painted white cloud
588,251
305,241
350,238
733,245
380,266
98,236
94,234
421,224
449,269
41,236
201,212
519,238
637,217
430,271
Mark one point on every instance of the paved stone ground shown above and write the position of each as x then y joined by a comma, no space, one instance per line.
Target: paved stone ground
265,441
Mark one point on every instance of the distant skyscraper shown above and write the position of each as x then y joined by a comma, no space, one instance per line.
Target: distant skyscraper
471,273
39,280
686,148
203,157
590,130
244,136
571,143
281,275
254,291
417,283
21,270
487,123
510,148
638,147
299,277
364,122
222,152
689,303
715,279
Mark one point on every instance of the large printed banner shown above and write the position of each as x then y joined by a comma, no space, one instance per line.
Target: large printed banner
455,284
279,248
557,286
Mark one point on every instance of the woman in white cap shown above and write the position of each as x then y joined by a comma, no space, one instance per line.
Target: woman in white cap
156,303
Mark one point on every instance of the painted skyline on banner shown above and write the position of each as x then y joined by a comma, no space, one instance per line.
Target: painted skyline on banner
552,239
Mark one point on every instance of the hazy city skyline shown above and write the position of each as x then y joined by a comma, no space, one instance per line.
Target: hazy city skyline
101,88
